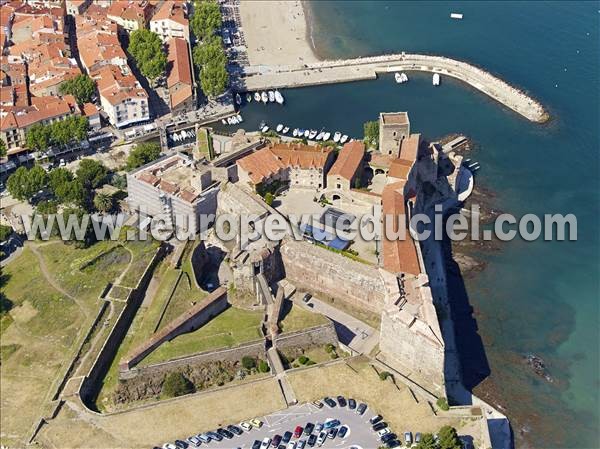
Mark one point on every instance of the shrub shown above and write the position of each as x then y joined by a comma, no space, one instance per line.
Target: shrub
334,355
248,362
384,375
269,198
303,359
329,347
442,403
176,384
310,362
263,366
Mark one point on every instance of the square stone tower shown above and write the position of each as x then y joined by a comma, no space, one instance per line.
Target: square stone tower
393,127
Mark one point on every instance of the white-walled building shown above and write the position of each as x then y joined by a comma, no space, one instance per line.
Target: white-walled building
170,21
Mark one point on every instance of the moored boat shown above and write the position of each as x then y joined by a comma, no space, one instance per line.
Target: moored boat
285,130
320,135
295,132
239,118
326,136
278,97
436,79
398,77
312,134
265,129
224,121
344,138
337,136
271,96
238,99
264,97
279,127
306,133
256,96
248,98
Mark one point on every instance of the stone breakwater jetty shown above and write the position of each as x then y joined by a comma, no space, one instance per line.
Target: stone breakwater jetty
337,71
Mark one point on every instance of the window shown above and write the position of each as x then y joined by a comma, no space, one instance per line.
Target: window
338,185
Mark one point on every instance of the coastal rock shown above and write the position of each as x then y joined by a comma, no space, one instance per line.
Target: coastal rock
538,366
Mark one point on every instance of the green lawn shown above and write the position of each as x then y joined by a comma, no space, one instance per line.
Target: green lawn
231,328
142,252
296,318
185,295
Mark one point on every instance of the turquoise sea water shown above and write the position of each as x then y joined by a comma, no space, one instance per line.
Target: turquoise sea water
533,297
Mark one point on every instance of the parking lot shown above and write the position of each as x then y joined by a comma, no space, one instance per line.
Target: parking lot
359,432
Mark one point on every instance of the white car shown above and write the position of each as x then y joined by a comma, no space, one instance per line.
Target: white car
246,426
169,446
383,432
322,438
266,442
291,445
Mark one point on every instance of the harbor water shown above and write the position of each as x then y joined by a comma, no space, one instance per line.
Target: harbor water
537,297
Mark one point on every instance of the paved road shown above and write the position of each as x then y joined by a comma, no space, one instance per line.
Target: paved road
360,433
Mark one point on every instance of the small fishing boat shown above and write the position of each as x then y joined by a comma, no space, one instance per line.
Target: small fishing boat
265,129
456,15
224,121
295,132
320,135
306,133
239,118
256,96
344,138
248,97
238,99
326,136
312,134
271,96
398,77
300,132
436,79
279,128
278,97
285,130
337,136
264,97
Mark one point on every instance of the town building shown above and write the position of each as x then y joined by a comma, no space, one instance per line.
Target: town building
77,7
302,166
393,127
347,167
98,44
180,78
122,97
130,15
171,21
175,188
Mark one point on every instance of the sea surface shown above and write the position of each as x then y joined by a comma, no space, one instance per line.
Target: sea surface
537,297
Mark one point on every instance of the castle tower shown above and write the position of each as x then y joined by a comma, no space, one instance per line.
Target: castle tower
393,127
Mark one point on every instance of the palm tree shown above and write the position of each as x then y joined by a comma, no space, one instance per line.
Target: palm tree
103,202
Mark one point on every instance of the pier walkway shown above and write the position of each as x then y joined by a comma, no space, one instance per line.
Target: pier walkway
337,71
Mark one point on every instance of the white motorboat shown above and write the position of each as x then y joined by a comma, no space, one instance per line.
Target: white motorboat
337,136
279,128
326,136
320,135
264,97
295,132
231,120
238,99
239,118
278,97
176,137
256,96
248,98
307,133
271,96
265,129
401,77
436,79
404,77
312,134
285,130
456,15
344,138
224,121
398,77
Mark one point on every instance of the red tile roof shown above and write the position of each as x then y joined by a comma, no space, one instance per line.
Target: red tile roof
349,160
172,10
260,165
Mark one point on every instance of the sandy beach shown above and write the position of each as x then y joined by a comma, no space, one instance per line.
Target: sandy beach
276,32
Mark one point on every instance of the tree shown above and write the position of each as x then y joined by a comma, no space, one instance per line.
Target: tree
118,181
47,207
206,19
427,442
372,133
142,154
263,366
146,48
38,137
5,232
384,375
248,362
103,202
213,79
23,183
82,87
442,403
3,149
448,438
269,198
211,62
91,173
176,384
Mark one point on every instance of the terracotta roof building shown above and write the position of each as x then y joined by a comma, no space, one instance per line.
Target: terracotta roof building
347,167
171,21
180,81
130,15
302,166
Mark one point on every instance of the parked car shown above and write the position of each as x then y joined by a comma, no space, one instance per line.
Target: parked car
321,439
330,402
312,439
306,297
361,409
418,437
226,433
318,404
246,426
205,438
388,437
194,441
341,401
318,427
383,432
281,446
266,442
375,419
298,431
256,444
169,446
392,444
291,445
256,423
301,444
214,436
331,424
181,444
380,425
276,441
408,438
343,431
234,429
351,404
286,437
332,433
308,428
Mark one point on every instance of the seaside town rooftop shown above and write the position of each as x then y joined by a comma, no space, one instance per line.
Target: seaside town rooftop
394,118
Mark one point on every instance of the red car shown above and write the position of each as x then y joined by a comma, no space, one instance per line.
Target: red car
298,431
